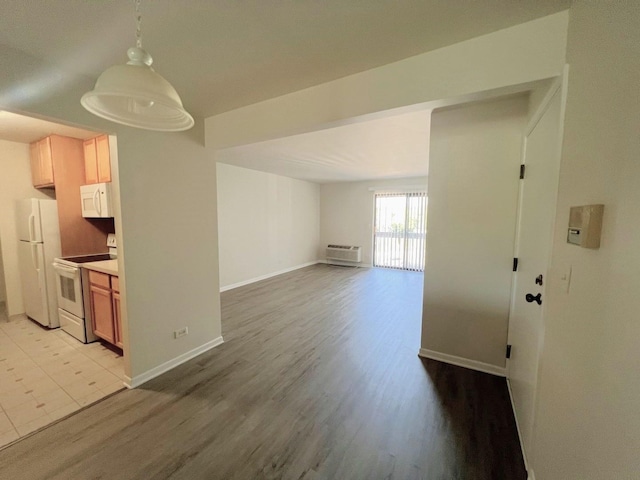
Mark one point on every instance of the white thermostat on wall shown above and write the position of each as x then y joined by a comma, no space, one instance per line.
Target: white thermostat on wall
585,226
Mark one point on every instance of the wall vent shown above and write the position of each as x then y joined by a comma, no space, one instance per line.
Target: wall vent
344,253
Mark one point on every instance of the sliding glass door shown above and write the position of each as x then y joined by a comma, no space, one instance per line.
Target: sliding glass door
400,230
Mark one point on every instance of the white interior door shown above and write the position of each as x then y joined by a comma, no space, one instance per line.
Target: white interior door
538,196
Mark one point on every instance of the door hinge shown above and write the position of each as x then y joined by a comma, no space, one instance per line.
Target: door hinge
515,264
522,169
508,351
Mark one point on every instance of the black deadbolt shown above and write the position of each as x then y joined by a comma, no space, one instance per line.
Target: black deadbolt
539,280
530,298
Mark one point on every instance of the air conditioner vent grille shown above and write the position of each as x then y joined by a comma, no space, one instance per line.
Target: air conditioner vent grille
344,253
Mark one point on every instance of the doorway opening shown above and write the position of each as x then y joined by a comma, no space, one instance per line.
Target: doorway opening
57,317
400,233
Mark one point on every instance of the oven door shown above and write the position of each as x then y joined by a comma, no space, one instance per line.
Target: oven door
69,285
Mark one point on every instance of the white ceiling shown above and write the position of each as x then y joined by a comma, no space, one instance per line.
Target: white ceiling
223,54
20,128
391,147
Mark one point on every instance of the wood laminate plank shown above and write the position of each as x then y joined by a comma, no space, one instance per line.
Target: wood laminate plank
318,379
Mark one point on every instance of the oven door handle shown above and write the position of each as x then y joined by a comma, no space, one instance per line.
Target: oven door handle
63,269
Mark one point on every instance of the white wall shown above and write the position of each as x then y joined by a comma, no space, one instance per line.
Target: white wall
166,221
15,184
588,424
538,95
267,223
169,232
531,51
473,189
346,212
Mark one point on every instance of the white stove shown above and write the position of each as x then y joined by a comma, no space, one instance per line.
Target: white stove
74,307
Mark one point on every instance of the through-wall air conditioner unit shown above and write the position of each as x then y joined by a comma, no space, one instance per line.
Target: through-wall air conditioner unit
344,254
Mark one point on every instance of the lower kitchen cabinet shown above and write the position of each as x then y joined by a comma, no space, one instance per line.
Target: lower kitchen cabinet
102,313
105,307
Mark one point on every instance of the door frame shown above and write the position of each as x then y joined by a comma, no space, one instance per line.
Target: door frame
560,87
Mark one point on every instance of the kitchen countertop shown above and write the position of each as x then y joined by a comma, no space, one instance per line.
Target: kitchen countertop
109,267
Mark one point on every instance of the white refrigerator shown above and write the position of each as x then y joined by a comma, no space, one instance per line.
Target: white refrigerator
38,245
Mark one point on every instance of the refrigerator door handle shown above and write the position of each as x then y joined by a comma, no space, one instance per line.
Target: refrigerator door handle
34,257
32,227
96,203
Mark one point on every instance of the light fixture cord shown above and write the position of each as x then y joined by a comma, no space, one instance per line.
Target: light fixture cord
138,25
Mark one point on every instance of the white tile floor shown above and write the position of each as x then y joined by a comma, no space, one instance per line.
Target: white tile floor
47,374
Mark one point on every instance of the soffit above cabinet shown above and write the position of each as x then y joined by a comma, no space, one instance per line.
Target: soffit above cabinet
23,129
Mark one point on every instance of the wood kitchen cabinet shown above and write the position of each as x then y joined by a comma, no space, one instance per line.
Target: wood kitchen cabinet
117,319
42,164
102,313
105,307
58,162
97,160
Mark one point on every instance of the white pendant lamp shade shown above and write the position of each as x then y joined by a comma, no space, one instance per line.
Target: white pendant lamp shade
135,95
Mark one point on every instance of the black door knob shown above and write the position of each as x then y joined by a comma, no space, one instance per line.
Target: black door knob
531,298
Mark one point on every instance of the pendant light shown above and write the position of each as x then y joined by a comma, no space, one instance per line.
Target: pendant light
135,95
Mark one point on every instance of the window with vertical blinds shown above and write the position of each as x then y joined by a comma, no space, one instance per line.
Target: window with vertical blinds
400,233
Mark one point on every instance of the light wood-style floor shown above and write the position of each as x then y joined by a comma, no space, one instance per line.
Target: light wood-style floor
318,378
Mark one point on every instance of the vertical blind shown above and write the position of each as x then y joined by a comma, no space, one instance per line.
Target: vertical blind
400,232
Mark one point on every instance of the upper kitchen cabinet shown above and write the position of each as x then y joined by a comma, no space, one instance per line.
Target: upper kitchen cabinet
42,164
58,161
97,160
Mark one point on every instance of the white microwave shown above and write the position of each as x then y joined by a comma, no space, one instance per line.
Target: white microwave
96,200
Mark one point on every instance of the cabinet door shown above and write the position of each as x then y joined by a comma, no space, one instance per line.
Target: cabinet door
104,159
102,313
34,150
46,163
117,319
90,161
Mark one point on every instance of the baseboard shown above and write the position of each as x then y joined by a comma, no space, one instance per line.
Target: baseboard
345,264
515,416
166,366
337,263
463,362
268,275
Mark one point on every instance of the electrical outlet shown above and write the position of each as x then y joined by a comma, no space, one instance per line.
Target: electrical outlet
181,333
